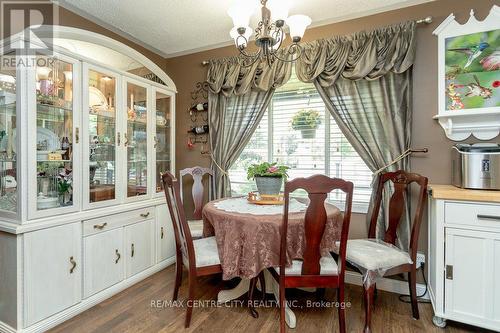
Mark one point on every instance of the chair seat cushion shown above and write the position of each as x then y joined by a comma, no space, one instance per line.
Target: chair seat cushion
374,254
206,253
327,263
196,228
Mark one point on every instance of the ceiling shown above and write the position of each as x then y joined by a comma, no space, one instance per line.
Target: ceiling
178,27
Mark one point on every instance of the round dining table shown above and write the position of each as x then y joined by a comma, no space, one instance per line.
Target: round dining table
248,240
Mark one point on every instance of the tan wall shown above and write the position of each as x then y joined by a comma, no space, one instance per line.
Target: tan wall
187,70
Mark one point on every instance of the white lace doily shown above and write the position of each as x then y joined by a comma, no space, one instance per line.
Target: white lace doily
241,205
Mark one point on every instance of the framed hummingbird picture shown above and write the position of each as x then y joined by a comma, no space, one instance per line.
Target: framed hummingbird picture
469,76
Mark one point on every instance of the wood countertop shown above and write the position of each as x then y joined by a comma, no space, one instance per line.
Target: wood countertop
455,193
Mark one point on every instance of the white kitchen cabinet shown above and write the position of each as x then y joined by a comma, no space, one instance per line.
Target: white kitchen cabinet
53,270
464,256
104,261
139,247
165,239
469,271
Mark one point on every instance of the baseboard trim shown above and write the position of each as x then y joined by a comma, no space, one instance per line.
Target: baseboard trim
87,303
386,284
4,328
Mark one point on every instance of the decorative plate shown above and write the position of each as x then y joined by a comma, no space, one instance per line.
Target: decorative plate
44,134
97,98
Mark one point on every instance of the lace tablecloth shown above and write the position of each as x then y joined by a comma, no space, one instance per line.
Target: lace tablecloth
249,243
241,205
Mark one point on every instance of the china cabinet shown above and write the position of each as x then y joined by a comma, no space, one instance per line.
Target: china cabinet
82,213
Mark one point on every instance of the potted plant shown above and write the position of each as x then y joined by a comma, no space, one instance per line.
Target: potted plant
268,177
64,186
306,121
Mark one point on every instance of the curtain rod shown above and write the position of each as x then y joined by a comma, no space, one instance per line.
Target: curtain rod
426,20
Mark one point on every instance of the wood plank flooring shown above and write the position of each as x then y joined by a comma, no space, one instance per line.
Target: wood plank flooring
132,311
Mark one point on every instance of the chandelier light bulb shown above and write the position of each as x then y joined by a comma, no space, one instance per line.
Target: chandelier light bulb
279,10
240,13
298,25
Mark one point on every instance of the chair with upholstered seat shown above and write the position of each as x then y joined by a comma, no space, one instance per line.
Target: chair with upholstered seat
197,190
376,258
314,270
199,256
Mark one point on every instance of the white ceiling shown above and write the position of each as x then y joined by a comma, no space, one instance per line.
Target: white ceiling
177,27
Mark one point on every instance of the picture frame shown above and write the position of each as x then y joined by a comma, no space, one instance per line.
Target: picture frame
469,76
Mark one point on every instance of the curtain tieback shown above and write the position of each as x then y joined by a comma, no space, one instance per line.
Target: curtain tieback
396,160
224,172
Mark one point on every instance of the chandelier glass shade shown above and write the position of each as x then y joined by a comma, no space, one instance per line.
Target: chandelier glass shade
269,33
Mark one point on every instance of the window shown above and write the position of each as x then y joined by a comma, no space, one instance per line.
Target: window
306,151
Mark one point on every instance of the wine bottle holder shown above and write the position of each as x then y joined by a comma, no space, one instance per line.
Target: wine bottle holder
198,113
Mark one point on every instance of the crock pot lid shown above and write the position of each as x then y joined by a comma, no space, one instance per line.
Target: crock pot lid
479,147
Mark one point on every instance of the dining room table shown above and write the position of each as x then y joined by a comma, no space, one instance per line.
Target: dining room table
248,240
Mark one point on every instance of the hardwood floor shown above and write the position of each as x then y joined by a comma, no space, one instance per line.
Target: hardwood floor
132,311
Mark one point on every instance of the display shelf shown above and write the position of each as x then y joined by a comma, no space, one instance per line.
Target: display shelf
468,95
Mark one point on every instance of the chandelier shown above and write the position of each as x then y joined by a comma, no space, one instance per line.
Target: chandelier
270,33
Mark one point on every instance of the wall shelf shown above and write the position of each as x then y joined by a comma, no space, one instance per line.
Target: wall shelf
468,92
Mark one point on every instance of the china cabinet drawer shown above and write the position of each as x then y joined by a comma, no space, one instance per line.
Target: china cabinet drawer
109,222
103,261
472,214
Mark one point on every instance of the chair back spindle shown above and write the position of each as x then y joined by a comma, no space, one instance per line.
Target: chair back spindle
197,189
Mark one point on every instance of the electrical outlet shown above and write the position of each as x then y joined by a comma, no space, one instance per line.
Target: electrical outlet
420,259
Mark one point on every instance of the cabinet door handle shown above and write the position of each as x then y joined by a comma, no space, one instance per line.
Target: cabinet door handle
156,142
118,256
126,139
77,134
145,215
100,226
161,233
488,217
133,250
119,140
73,263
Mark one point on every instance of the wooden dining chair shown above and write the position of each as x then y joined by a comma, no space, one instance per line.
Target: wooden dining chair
199,256
313,270
197,191
385,258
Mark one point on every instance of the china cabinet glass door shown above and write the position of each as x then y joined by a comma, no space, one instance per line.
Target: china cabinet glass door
136,139
102,137
56,134
8,146
163,135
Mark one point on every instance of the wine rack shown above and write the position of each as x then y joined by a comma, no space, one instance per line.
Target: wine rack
198,113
